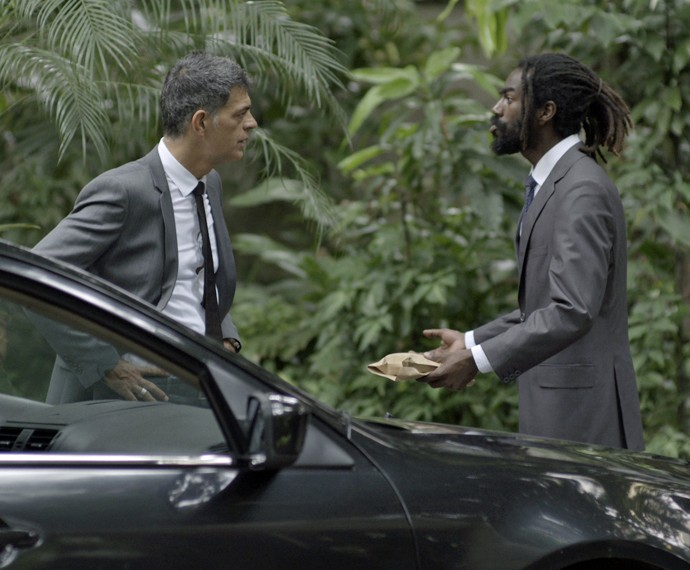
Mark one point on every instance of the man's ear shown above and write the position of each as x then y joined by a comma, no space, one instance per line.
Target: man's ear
546,113
199,122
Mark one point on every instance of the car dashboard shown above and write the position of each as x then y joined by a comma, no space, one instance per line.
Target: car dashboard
107,426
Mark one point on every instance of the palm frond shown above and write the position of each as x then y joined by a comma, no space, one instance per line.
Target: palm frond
133,102
315,205
7,227
95,34
262,36
87,61
160,25
64,90
311,56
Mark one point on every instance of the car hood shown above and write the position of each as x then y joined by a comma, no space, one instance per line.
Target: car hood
478,489
449,440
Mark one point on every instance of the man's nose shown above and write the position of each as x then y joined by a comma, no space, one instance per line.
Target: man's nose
250,123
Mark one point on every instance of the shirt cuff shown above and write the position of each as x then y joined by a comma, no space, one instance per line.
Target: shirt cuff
480,358
469,339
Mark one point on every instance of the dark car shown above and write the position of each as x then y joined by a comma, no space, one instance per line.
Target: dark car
239,469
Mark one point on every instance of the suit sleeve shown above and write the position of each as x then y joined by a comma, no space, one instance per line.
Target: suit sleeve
229,329
80,239
497,326
95,222
89,358
570,286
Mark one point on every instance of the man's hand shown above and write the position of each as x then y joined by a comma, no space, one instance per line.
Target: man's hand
230,345
451,341
456,373
458,368
128,381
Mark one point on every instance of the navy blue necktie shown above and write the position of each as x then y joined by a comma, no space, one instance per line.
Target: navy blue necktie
210,302
530,185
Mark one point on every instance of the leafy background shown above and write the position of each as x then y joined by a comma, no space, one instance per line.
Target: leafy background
371,206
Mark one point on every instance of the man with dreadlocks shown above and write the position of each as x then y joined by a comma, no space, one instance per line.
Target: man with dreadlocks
567,343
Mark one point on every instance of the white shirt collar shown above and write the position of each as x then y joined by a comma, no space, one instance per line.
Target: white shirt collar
545,165
184,180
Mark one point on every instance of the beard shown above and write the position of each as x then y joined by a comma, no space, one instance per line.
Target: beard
506,137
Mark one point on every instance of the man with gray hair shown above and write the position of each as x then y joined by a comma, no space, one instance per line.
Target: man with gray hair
155,226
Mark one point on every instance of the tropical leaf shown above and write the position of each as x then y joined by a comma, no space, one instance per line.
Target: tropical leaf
269,191
95,34
263,37
378,94
439,62
270,251
315,205
62,88
74,55
7,227
95,67
377,75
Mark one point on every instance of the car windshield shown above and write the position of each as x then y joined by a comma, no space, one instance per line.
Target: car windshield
66,390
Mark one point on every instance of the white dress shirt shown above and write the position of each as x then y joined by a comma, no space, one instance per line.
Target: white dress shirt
540,173
185,302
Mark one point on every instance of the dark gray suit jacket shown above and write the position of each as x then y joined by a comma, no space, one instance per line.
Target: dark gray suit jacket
567,344
122,228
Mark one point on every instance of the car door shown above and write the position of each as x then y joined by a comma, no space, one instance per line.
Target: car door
99,482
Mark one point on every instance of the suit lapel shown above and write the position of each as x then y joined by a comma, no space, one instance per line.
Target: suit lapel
545,194
160,184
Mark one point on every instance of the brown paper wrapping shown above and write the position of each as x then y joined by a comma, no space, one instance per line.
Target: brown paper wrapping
400,366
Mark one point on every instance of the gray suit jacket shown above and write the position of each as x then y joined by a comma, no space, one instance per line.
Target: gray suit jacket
568,341
122,228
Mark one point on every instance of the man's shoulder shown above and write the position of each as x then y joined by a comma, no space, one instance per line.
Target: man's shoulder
213,178
580,163
141,171
214,184
584,176
141,164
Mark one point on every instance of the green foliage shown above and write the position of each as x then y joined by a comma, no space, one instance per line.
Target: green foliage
426,214
345,308
81,80
421,234
491,24
419,242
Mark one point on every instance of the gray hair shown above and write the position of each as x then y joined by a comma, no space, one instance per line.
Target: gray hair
198,81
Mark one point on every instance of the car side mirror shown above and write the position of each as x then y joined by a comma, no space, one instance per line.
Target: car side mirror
276,428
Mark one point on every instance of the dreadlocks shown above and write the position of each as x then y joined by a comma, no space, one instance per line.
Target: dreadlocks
583,102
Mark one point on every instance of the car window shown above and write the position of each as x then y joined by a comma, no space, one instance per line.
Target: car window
59,393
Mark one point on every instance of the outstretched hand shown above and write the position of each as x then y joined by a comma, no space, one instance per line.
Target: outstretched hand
451,341
128,381
458,369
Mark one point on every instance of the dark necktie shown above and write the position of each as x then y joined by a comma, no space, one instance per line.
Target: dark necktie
210,302
530,185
